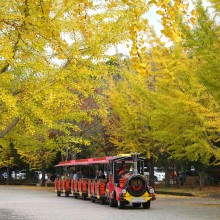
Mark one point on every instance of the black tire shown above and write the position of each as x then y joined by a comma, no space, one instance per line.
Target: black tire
92,200
146,205
67,194
83,197
58,193
121,204
102,201
112,202
136,205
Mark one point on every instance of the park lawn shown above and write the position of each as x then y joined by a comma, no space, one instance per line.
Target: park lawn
208,191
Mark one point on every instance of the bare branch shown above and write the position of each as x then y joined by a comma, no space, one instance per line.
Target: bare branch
4,69
10,127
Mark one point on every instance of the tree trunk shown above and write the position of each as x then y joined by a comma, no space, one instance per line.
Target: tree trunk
43,173
200,181
8,175
151,171
9,128
167,176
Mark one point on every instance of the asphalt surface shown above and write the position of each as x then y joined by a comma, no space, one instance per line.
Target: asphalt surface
36,203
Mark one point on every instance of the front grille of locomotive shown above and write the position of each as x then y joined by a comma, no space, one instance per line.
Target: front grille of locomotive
136,185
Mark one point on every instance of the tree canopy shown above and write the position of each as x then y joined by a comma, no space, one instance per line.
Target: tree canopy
59,87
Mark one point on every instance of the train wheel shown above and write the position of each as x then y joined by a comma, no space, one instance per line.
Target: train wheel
136,205
146,205
121,204
112,202
102,201
58,193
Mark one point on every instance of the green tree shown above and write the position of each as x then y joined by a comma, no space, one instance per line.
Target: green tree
203,44
188,115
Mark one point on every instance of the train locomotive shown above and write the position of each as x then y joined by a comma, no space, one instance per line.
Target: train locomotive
124,184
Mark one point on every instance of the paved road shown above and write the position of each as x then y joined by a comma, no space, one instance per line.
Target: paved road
35,203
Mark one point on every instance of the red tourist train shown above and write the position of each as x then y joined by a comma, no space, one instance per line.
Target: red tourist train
123,183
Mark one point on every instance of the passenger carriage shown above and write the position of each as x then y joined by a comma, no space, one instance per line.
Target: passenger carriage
124,184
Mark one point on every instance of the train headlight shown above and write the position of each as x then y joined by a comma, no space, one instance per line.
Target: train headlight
124,191
151,190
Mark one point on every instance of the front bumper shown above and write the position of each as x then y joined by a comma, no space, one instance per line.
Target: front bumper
141,199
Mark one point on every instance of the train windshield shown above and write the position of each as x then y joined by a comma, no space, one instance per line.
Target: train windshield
122,166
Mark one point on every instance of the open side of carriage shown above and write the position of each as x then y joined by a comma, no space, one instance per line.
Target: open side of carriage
124,181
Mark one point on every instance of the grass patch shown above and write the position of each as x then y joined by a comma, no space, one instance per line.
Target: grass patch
210,191
19,182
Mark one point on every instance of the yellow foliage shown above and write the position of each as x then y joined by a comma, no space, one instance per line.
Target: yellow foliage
193,20
53,74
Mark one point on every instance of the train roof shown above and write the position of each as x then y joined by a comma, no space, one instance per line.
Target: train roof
95,160
88,161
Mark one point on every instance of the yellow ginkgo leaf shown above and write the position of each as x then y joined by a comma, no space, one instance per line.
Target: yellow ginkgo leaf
160,12
193,20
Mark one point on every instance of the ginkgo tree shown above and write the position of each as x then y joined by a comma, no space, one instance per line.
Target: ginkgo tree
179,112
196,124
135,119
54,78
203,44
216,4
48,68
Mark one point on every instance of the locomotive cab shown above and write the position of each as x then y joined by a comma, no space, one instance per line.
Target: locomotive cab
127,183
